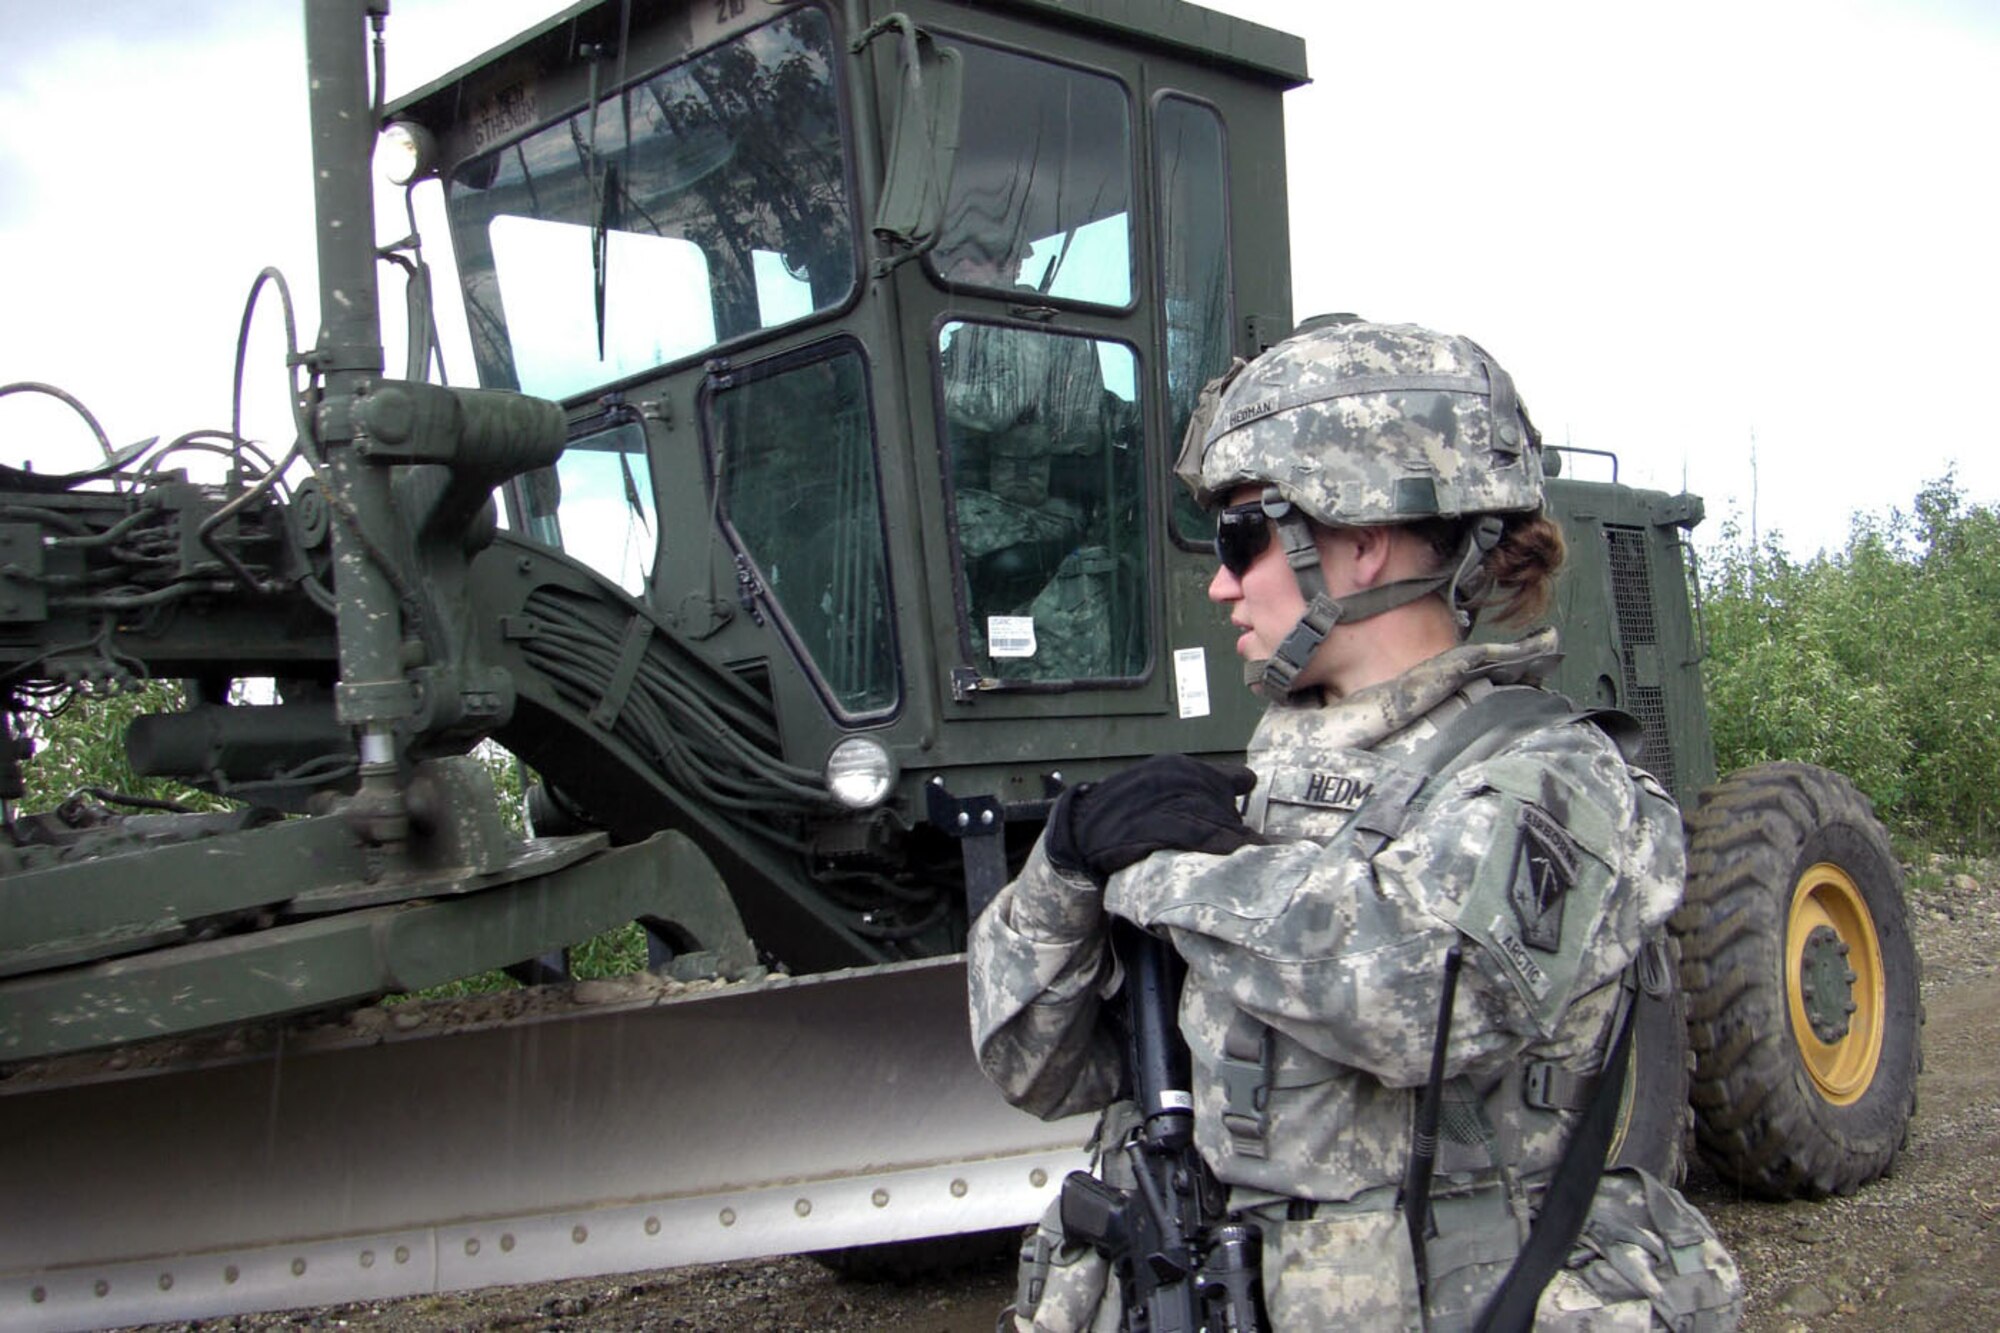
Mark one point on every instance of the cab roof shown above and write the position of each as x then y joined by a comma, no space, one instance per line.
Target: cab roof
1187,30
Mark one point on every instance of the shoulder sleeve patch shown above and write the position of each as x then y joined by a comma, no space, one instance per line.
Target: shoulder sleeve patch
1545,870
1535,900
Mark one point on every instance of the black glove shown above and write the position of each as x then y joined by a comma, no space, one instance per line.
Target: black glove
1168,801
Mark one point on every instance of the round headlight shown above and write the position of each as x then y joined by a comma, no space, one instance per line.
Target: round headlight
860,773
404,152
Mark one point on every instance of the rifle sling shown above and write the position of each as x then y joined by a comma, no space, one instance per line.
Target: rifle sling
1481,730
1566,1202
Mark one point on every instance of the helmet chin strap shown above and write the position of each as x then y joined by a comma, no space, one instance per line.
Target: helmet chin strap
1279,673
1471,578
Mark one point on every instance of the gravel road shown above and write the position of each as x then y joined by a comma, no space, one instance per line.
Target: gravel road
1918,1249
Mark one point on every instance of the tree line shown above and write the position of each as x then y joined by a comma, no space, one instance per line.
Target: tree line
1880,659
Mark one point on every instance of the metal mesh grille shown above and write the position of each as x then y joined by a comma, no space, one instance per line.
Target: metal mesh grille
1632,601
1631,583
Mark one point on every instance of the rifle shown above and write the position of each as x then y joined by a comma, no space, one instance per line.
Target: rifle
1183,1266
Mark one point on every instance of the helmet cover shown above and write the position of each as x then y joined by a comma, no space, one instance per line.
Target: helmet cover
1359,424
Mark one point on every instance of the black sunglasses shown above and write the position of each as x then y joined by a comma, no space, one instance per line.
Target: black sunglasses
1241,534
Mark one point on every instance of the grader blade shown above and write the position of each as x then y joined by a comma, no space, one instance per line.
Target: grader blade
779,1116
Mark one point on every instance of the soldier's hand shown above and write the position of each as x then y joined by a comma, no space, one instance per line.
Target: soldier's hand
1166,802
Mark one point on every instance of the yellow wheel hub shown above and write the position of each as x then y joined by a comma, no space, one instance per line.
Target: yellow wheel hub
1834,980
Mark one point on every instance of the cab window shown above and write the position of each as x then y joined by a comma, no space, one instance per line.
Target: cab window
1040,197
792,449
1194,280
1043,460
596,505
699,205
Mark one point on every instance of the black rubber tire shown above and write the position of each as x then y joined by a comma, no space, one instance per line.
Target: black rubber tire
1655,1128
1776,1114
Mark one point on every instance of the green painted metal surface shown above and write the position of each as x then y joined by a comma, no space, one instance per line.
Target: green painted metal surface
551,893
764,538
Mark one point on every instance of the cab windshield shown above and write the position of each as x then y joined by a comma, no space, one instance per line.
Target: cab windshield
700,204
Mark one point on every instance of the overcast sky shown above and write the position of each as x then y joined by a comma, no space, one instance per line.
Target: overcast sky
1689,231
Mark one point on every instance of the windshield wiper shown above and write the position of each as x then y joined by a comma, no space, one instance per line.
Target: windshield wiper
609,215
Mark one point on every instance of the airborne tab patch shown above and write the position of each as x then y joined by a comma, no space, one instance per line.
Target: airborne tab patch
1545,870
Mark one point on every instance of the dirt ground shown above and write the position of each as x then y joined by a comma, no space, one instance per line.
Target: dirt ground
1918,1249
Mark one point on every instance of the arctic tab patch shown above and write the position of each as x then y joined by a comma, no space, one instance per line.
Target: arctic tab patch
1518,958
1545,870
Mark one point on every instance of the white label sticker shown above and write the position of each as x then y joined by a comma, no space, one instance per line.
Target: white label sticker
1191,681
1010,636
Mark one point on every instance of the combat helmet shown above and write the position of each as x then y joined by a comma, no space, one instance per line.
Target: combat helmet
1354,424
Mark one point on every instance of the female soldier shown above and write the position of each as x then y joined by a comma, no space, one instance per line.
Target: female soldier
1381,485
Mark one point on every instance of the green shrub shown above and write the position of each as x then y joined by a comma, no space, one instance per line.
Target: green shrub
1881,660
80,746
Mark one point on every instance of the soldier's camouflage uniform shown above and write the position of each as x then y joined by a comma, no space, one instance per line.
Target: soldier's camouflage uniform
1314,973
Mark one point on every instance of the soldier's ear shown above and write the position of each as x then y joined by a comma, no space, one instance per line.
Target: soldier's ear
1369,550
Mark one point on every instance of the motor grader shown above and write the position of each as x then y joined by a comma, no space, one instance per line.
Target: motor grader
810,527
